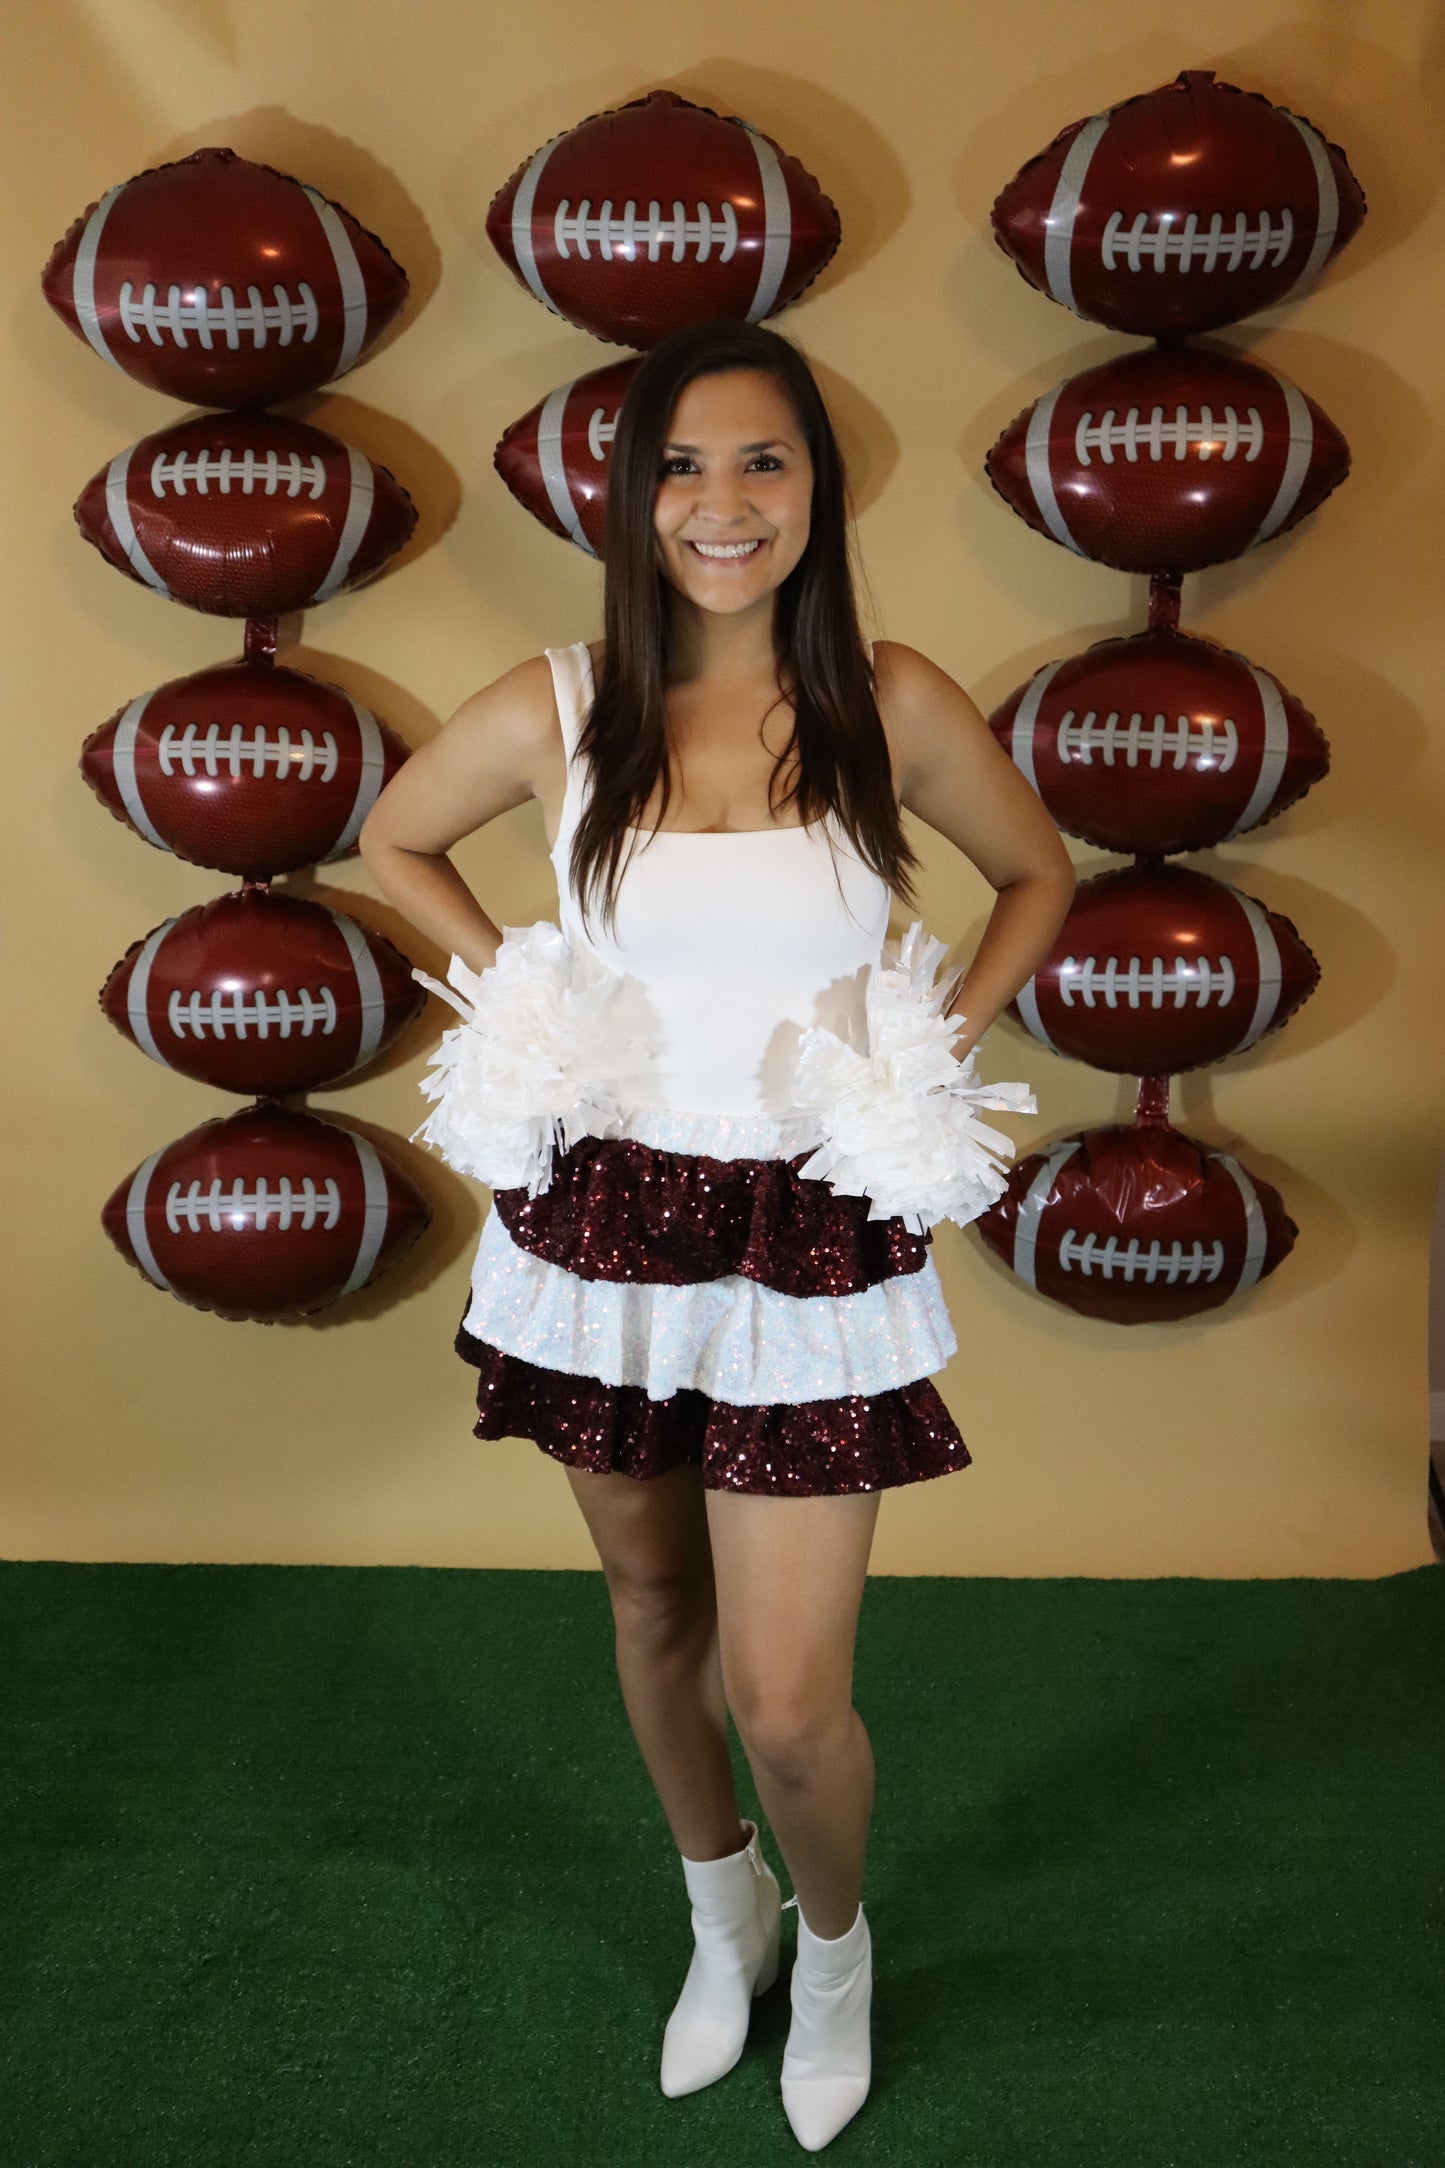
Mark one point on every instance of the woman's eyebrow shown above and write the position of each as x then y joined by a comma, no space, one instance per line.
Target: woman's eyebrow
772,444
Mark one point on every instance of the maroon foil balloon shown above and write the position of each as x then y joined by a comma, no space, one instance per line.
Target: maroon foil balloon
658,214
260,993
247,767
1158,969
1167,461
245,515
1180,210
1160,742
555,460
1137,1226
265,1214
223,282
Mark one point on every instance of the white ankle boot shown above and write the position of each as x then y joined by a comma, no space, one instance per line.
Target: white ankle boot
736,1906
827,2063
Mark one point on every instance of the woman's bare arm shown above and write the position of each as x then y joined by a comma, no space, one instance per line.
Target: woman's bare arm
954,774
488,758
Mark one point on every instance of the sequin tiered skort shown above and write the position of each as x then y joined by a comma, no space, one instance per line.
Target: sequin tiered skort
660,1303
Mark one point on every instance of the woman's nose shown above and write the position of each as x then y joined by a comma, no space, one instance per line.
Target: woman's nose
722,498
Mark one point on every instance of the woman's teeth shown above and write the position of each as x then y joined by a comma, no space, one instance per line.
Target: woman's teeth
727,549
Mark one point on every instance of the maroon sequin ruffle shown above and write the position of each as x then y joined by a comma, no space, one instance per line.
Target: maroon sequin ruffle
620,1210
802,1449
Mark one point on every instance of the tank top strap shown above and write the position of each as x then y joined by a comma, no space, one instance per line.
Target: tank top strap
574,689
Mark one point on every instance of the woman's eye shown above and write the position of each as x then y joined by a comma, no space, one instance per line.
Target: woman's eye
677,465
768,461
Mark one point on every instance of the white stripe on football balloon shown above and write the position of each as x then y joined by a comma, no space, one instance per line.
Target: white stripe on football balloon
1255,1232
368,784
777,226
1041,481
1271,759
1296,466
1327,208
82,277
1022,745
368,985
1031,1211
358,513
1027,998
122,762
135,1222
136,991
554,472
1059,224
1266,948
522,203
118,507
373,1226
348,271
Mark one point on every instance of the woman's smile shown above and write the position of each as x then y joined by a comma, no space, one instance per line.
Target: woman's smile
727,552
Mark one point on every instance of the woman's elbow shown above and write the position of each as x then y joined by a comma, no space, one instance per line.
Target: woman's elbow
371,845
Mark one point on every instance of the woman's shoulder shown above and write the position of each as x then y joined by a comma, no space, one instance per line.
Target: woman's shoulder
924,711
910,685
516,712
899,669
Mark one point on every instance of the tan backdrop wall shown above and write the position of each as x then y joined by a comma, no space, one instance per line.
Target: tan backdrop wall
1286,1437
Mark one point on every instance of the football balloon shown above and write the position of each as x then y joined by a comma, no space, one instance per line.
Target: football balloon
245,515
556,458
1168,460
248,767
1137,1225
223,282
1180,210
265,1214
1160,742
658,214
262,994
1158,969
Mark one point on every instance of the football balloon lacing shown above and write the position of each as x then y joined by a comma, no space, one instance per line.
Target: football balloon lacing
1215,248
269,471
628,236
1156,436
190,310
207,751
1209,742
225,1014
1114,982
309,1204
601,429
1136,1260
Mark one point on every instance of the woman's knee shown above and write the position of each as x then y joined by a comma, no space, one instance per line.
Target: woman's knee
652,1542
789,1728
661,1610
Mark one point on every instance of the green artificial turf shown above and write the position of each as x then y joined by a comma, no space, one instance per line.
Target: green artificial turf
311,1866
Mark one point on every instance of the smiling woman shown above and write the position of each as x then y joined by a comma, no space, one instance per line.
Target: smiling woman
730,1361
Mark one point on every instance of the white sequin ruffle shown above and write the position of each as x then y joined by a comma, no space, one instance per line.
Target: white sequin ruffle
728,1338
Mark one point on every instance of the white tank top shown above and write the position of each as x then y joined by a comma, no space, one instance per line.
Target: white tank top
736,941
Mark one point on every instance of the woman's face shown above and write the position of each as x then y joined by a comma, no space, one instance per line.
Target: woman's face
734,501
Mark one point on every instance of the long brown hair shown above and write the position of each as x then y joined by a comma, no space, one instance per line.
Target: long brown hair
843,766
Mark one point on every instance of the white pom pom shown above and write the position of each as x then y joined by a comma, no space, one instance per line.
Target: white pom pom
537,1060
899,1123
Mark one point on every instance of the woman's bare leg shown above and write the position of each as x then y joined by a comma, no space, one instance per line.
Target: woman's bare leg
652,1539
789,1575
